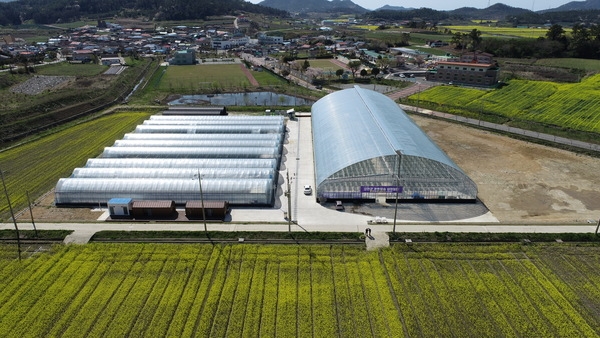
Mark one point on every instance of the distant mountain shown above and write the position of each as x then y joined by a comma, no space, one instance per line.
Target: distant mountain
394,8
494,12
318,6
575,6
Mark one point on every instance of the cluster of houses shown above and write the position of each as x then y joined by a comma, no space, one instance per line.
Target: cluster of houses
181,44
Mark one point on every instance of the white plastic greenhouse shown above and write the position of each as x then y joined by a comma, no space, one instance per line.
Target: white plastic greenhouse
181,163
224,120
198,143
100,190
366,147
205,173
190,152
214,129
156,136
236,157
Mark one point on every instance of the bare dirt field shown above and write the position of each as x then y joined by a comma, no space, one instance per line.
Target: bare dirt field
521,181
518,181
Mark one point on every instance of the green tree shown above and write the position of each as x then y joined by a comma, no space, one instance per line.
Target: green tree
458,40
475,37
363,72
305,65
556,33
339,72
354,67
375,71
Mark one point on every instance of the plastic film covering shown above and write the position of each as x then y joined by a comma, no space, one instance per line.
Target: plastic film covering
181,163
211,129
277,119
345,121
94,191
197,143
205,173
223,121
190,137
189,152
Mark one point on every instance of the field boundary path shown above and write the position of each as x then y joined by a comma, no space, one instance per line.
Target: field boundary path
249,75
376,240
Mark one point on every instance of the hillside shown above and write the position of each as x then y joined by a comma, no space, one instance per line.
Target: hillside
494,12
45,12
321,6
576,6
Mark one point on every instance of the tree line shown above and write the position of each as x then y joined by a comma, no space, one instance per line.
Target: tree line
583,42
57,11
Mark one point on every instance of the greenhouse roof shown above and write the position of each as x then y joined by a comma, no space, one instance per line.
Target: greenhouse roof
357,124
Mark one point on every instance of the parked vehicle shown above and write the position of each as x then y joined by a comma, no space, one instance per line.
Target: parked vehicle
339,206
307,190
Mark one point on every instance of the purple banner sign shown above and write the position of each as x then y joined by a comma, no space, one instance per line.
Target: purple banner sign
383,189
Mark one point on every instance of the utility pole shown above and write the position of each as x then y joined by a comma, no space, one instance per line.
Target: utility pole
202,201
399,156
31,213
288,193
12,214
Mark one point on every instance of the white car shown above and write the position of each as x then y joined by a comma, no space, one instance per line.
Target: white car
307,190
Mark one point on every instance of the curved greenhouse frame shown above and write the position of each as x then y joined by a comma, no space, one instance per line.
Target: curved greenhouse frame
366,147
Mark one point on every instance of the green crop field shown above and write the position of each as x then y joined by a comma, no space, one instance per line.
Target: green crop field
572,63
36,166
425,290
324,64
266,78
69,69
493,31
574,106
197,78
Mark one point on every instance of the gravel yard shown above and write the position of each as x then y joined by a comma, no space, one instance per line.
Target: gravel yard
41,83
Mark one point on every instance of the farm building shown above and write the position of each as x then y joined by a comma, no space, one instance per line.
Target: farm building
120,207
367,148
212,209
153,209
239,167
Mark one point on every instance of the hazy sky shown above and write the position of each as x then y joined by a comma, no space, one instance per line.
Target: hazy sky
454,4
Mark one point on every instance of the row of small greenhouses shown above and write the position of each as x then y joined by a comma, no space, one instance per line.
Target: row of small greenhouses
236,159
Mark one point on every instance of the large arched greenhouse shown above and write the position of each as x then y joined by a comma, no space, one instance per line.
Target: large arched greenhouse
367,148
236,158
